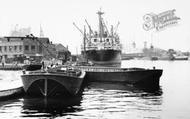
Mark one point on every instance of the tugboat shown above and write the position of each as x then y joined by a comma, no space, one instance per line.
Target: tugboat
102,48
54,82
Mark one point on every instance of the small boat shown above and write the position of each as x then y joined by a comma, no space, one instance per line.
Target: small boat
11,93
136,76
32,67
153,58
53,82
182,57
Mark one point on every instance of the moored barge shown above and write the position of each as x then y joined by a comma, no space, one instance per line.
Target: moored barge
53,82
136,76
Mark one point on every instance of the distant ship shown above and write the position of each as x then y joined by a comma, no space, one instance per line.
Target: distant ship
180,57
102,48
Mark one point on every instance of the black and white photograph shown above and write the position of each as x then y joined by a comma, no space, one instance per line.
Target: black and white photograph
94,59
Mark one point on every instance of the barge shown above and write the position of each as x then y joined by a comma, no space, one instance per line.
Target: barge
55,82
135,76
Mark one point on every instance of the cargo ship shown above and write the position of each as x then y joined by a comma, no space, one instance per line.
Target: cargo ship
102,48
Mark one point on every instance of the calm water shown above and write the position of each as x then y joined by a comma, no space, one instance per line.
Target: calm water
110,100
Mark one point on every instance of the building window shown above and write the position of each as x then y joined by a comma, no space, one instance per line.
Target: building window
10,48
26,47
33,47
5,48
15,48
5,56
15,56
40,49
20,47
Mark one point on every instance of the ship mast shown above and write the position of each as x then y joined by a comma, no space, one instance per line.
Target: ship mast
101,28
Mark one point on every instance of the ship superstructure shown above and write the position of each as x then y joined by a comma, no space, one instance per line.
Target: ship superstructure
102,47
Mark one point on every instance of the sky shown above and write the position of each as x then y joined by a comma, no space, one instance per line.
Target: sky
56,18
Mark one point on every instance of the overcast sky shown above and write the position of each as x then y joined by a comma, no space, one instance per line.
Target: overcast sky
57,16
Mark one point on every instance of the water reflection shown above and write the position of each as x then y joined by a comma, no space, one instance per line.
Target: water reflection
48,107
7,102
123,87
97,98
108,100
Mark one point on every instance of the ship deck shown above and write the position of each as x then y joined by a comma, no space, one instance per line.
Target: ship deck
108,69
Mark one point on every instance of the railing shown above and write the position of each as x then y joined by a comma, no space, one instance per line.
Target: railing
96,47
67,72
106,69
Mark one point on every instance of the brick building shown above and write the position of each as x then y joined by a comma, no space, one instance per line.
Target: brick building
62,53
19,48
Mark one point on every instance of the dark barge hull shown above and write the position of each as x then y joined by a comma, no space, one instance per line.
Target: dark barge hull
108,57
51,85
135,76
185,58
32,67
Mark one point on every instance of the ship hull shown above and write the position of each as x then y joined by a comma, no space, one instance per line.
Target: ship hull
137,76
51,85
11,93
180,58
144,78
107,57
